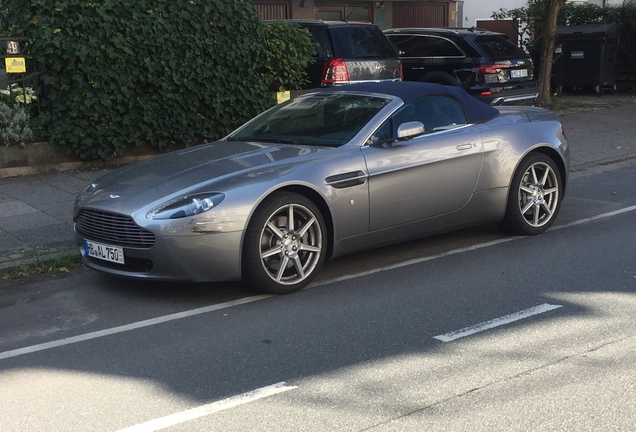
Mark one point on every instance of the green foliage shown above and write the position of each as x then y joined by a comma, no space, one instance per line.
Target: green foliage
576,14
16,94
290,50
14,125
117,73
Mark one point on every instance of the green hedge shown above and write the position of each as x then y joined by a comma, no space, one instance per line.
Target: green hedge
290,49
121,73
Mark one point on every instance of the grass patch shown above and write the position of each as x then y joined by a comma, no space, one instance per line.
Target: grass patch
57,266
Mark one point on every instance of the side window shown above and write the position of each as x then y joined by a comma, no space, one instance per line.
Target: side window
424,46
435,112
440,47
410,46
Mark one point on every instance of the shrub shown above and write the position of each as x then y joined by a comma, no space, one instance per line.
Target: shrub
290,49
120,73
14,125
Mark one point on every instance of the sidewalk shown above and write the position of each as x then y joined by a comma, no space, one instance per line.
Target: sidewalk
36,210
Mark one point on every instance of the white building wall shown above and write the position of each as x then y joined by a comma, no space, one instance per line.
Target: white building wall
475,10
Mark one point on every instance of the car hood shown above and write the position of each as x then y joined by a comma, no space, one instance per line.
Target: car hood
130,188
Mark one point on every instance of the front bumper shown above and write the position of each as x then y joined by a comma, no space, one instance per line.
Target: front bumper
206,257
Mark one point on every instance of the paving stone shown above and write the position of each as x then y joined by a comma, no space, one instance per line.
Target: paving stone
15,208
54,235
28,221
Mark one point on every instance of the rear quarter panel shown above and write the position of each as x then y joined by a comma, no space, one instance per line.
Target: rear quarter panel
510,137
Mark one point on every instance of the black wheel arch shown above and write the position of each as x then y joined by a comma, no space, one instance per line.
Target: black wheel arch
556,158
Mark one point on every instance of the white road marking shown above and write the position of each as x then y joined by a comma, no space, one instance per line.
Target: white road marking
127,327
211,408
466,249
185,314
415,261
595,218
467,331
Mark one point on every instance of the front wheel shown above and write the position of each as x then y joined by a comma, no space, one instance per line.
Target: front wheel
285,244
534,198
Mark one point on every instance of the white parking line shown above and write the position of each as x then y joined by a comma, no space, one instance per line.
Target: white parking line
467,331
467,249
595,218
185,314
211,408
127,327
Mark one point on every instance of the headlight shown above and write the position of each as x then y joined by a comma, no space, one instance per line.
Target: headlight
186,206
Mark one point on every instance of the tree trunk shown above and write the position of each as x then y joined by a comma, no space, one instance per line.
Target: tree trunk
547,52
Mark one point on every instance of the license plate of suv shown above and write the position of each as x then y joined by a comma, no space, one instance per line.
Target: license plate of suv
518,73
104,252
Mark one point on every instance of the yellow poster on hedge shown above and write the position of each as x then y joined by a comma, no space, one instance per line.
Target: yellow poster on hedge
282,96
15,64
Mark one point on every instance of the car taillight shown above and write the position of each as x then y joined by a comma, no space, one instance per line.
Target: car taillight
493,73
401,71
335,72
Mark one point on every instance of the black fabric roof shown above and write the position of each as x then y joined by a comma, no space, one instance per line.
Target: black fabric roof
476,111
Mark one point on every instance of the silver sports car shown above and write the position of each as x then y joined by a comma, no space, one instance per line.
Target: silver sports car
325,174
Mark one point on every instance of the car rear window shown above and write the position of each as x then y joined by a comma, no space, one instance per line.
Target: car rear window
499,46
361,42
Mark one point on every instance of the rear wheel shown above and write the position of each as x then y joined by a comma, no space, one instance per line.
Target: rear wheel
285,244
534,198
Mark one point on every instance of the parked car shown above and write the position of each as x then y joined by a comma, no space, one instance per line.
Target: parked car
486,64
349,52
330,172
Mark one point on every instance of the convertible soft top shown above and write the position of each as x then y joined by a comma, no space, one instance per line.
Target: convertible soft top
476,111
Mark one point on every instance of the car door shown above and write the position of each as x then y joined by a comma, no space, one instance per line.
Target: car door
427,176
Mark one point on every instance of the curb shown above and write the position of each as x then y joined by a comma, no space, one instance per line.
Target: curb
42,157
32,255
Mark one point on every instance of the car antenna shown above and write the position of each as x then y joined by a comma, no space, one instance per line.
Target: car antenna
348,16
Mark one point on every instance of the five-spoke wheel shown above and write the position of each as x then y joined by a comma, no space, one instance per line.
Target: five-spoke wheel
285,244
535,196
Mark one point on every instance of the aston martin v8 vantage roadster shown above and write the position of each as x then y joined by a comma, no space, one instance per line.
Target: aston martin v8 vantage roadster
327,173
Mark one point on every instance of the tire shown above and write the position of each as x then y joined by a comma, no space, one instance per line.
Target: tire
534,198
277,258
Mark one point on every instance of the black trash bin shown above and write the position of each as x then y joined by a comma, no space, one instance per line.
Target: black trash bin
586,57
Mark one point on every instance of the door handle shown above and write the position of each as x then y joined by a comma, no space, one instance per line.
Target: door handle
464,147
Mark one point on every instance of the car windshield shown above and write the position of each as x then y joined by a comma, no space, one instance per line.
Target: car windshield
327,119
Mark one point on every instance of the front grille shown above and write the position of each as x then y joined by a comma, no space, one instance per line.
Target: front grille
113,229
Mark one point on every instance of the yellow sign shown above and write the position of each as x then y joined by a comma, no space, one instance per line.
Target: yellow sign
15,64
282,96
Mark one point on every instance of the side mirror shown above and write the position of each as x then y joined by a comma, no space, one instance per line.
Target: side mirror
410,130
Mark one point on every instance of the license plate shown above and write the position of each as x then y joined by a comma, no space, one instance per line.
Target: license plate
518,73
104,252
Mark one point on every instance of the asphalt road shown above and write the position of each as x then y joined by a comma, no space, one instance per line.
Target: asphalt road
468,331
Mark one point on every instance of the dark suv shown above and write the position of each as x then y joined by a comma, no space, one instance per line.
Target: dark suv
350,52
486,64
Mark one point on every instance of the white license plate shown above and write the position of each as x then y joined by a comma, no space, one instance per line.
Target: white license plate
518,73
104,252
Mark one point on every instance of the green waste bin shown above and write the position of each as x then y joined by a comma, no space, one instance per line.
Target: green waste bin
585,57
